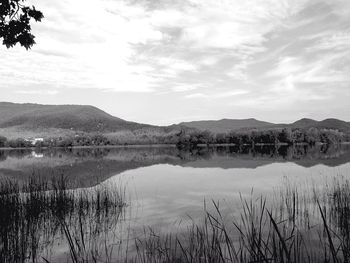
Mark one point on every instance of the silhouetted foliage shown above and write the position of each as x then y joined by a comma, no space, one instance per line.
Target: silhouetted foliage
38,211
15,18
3,141
258,137
19,143
189,139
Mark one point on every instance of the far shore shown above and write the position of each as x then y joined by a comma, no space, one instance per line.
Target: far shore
93,146
160,145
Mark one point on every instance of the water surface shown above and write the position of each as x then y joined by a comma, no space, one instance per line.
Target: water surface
166,188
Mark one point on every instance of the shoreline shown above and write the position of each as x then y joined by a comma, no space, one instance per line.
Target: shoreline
165,146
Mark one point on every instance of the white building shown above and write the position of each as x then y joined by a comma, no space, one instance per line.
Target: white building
33,141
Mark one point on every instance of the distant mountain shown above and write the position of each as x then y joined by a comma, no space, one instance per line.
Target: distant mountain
304,123
334,124
72,117
226,125
325,124
36,117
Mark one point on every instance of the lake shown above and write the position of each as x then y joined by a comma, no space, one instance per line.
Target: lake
165,188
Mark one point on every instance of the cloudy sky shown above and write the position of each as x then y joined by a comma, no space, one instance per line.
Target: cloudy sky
166,61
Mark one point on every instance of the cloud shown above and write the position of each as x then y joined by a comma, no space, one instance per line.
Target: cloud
217,95
326,68
92,44
185,87
196,95
333,42
258,51
37,92
84,44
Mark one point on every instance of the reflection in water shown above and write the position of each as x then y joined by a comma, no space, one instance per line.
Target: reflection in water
165,186
36,220
37,155
88,167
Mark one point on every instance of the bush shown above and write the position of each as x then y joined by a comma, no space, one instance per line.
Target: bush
3,141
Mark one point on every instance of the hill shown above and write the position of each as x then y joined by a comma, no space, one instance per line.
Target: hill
334,124
33,120
71,117
330,123
303,123
227,125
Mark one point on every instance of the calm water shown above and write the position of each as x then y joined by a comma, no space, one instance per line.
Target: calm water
165,187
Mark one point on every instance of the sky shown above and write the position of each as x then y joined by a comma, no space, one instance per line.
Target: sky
168,61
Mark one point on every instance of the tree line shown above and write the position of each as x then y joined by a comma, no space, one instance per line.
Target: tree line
285,136
91,140
191,139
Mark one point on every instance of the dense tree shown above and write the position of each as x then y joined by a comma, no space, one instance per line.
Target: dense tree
264,137
19,143
3,141
191,139
285,136
15,23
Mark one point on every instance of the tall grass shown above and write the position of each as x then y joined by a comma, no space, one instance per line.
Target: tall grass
34,214
301,225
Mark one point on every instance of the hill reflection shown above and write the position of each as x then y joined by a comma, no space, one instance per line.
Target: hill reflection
90,166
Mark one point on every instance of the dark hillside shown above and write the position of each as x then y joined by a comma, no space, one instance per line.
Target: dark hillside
241,125
226,125
73,117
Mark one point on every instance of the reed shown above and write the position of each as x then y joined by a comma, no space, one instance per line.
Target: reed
35,212
300,223
297,226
